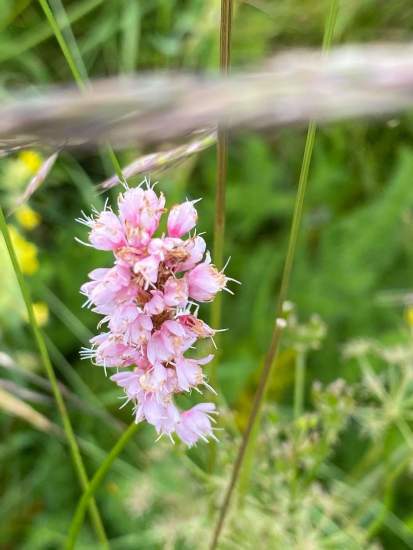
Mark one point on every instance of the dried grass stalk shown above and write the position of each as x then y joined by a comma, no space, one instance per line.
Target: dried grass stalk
155,162
292,88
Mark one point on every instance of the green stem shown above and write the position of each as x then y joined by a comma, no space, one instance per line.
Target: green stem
94,484
279,322
63,44
222,166
81,81
300,367
219,224
48,367
376,525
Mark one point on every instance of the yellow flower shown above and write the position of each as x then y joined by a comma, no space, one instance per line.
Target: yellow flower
27,217
41,313
26,252
18,171
31,160
409,316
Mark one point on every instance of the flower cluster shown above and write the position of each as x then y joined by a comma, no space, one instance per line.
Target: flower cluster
149,303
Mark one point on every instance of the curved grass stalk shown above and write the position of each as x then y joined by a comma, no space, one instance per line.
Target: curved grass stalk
155,162
279,321
48,367
97,479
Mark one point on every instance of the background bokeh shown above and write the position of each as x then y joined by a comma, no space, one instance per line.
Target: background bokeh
353,268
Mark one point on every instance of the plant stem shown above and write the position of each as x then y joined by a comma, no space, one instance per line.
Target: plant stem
285,281
48,367
94,484
63,44
219,223
377,523
299,383
222,165
76,70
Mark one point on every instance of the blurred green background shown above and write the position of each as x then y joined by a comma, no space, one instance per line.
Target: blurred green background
353,267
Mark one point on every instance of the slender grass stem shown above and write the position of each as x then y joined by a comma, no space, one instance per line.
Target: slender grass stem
48,367
299,383
219,223
63,44
94,484
272,353
379,520
222,165
76,70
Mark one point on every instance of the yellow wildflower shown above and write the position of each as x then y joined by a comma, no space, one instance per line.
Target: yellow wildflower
409,316
26,252
27,217
41,313
31,160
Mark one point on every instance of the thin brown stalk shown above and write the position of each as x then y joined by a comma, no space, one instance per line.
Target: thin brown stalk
219,222
272,353
222,166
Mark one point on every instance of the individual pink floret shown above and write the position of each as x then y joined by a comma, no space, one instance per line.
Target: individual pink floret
205,281
182,218
195,326
109,350
195,249
175,292
148,268
196,424
140,210
156,304
170,341
133,327
107,232
108,288
189,372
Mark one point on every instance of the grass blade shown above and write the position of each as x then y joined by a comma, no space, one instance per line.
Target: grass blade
94,484
48,367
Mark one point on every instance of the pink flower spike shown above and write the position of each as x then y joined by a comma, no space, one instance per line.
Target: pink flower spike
182,218
195,424
176,292
149,301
